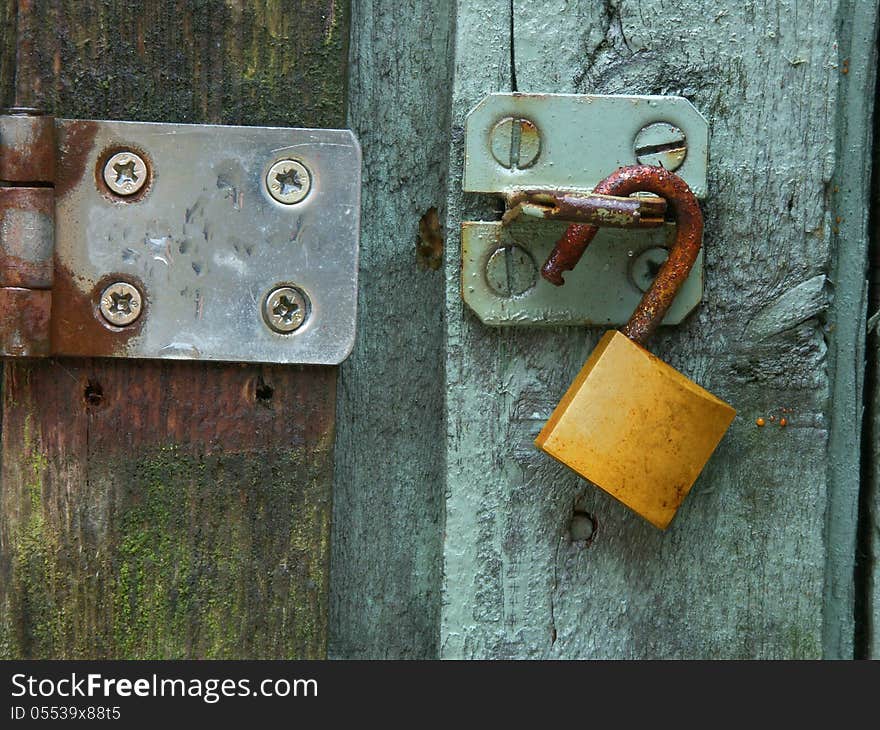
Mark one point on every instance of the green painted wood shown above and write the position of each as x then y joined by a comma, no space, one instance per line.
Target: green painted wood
454,538
169,509
850,447
868,572
759,562
869,542
388,494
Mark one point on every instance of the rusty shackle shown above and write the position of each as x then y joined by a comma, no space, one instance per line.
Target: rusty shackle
688,240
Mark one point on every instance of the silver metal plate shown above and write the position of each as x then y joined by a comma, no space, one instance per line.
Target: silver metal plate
206,242
598,291
581,139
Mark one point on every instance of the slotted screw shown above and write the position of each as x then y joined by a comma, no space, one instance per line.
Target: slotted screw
515,143
511,271
661,144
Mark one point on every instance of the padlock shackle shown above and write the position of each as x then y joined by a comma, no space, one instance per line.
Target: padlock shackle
685,209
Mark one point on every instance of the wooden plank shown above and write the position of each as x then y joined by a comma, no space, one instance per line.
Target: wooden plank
847,614
163,509
742,570
390,458
868,569
8,49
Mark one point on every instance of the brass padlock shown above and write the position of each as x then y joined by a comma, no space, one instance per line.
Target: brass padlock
630,423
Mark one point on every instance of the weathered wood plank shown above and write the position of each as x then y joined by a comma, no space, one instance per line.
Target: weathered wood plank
8,49
184,511
389,456
868,569
846,620
167,511
742,570
868,573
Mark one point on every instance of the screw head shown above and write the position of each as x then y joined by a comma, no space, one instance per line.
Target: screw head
645,267
125,173
121,304
661,144
288,181
511,271
285,309
515,143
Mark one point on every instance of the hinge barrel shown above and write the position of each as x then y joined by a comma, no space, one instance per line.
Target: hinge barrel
27,232
27,147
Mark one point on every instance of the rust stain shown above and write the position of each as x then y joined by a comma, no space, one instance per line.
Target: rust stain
75,142
27,148
100,183
27,232
529,145
429,248
77,325
18,272
24,322
141,44
688,241
599,210
195,407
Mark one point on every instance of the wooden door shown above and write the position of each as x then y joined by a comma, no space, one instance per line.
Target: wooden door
765,558
169,509
760,562
184,510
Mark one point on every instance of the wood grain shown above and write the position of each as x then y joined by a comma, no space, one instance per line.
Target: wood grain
742,570
388,495
162,509
851,452
868,566
165,511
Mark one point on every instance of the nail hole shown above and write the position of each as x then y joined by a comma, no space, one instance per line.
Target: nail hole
93,393
583,527
264,391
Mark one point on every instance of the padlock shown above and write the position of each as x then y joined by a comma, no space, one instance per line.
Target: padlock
630,423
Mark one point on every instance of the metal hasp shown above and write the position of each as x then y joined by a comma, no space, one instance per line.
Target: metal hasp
173,241
569,142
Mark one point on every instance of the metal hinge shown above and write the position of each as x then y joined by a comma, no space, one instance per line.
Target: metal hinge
144,240
518,145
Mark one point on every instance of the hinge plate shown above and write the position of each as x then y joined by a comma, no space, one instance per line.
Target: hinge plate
568,142
205,242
